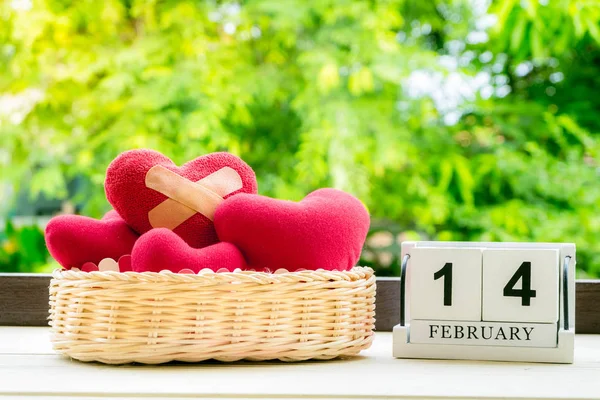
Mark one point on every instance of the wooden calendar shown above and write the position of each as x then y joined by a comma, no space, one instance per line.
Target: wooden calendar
487,301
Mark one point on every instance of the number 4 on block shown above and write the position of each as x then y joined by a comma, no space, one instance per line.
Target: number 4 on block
520,285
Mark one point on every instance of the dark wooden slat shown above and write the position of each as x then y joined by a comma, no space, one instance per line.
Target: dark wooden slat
24,299
24,302
587,306
387,304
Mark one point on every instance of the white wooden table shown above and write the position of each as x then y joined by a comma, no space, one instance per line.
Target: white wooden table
29,367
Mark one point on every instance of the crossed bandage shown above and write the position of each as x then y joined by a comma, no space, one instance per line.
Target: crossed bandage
186,198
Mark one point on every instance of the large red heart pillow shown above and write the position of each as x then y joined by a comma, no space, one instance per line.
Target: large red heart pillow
74,240
161,249
327,230
128,191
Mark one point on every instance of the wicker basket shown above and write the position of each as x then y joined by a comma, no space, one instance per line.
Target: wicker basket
153,318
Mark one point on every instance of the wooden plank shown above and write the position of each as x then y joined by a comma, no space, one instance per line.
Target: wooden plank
587,306
387,304
24,302
375,374
24,299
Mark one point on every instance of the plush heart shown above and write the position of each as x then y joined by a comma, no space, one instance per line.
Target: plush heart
327,229
74,240
127,191
161,249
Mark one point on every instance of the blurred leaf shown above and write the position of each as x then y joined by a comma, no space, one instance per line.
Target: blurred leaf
518,34
328,78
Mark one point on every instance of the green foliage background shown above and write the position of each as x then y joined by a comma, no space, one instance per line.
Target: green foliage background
320,93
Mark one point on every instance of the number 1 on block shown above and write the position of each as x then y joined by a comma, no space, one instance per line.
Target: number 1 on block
445,284
446,273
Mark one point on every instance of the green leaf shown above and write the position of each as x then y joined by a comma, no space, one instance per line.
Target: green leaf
593,28
517,35
466,182
504,9
446,171
537,47
328,78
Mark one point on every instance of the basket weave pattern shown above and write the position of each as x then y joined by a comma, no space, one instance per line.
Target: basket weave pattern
152,318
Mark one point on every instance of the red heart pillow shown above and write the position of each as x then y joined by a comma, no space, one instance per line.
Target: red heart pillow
127,190
74,240
161,249
327,229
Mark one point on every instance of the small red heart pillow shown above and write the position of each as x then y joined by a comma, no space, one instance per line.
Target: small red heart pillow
127,190
74,240
327,230
161,249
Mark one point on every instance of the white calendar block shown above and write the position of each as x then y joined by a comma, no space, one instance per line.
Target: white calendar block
445,284
487,301
520,285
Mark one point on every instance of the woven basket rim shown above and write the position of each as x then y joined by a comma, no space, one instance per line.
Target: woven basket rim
207,276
